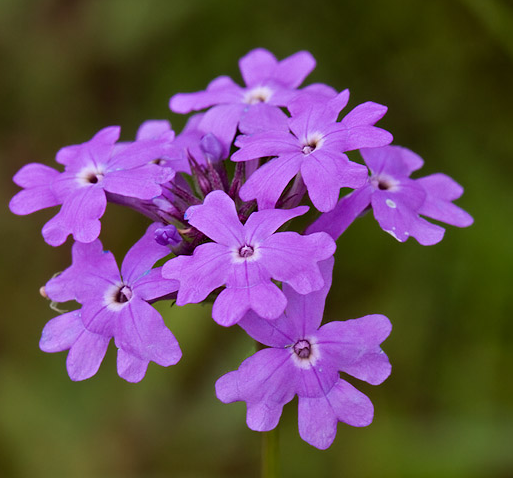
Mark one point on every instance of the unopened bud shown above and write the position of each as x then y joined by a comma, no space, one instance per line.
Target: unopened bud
211,147
167,236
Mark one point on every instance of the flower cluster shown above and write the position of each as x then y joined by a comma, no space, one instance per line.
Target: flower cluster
223,197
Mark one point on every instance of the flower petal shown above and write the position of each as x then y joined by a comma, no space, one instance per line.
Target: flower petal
305,311
268,182
324,173
61,332
199,274
142,256
130,367
262,224
257,66
277,333
292,70
441,190
36,179
292,258
152,285
394,160
78,216
266,381
152,129
352,346
86,355
221,90
336,221
217,218
263,117
398,219
259,145
222,122
318,417
248,287
142,182
141,331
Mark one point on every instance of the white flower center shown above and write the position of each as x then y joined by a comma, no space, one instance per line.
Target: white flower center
305,353
117,296
90,175
245,253
383,182
259,94
313,141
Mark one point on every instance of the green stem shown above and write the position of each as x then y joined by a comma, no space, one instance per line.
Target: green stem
270,454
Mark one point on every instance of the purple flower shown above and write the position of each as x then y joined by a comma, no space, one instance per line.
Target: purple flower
115,305
269,85
92,169
245,258
397,200
305,360
315,148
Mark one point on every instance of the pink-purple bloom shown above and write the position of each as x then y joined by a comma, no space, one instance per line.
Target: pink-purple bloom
315,148
270,84
245,258
305,360
230,231
114,305
92,170
397,200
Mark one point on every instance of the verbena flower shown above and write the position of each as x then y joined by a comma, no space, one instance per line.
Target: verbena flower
92,169
245,258
315,148
397,200
269,85
305,360
114,305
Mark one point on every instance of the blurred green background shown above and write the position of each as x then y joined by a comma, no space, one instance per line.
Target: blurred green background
444,69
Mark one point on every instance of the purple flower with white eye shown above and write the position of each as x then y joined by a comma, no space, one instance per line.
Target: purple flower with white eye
245,258
305,360
115,305
92,169
315,148
397,200
270,84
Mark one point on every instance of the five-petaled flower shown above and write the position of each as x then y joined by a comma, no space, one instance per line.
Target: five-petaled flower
245,258
397,200
315,148
305,360
114,304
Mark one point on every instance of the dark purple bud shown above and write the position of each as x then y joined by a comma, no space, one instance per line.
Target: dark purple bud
211,147
167,236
